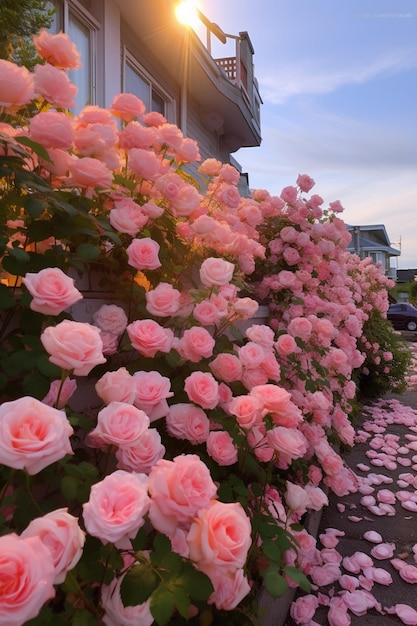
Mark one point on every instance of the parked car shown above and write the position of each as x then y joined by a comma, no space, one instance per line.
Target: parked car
403,316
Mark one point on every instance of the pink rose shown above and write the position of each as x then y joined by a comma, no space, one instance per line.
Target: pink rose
142,457
52,291
152,391
148,337
185,201
144,163
16,85
54,85
117,386
88,172
74,346
32,435
285,345
60,392
215,272
163,301
186,421
52,129
289,194
116,614
203,389
248,411
230,587
195,344
206,313
226,367
128,218
117,506
305,182
245,307
251,354
179,489
119,424
110,318
143,254
221,447
296,497
220,536
60,533
127,106
27,576
57,49
288,442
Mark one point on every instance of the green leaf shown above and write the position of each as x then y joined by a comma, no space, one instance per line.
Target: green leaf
82,617
35,385
298,577
198,585
271,550
7,300
47,368
34,206
36,147
19,254
69,488
162,604
182,600
169,562
275,584
137,585
88,252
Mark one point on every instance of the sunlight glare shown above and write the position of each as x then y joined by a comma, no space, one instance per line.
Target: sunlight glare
186,13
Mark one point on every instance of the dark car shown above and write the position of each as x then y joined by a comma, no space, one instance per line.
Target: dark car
403,316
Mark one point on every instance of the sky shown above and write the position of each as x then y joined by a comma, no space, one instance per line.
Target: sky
338,80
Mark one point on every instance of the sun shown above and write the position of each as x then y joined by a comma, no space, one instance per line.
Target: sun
187,13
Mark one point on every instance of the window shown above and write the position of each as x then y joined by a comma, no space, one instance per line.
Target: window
138,81
81,27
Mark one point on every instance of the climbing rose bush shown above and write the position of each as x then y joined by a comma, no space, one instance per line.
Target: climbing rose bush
159,449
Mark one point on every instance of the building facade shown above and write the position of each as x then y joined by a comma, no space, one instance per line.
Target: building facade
139,46
372,241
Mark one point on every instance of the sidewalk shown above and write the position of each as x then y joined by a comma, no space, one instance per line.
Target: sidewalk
385,460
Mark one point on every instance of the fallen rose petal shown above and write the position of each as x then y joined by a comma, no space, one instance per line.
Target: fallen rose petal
372,536
378,575
409,505
383,551
354,518
406,613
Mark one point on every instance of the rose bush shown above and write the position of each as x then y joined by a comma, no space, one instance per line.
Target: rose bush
155,457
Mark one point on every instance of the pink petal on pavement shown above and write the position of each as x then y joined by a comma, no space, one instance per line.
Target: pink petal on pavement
383,551
372,536
406,614
409,505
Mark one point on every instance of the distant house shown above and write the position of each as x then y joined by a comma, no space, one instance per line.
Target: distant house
406,276
138,46
372,241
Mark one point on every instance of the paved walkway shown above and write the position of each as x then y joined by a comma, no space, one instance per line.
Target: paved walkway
385,460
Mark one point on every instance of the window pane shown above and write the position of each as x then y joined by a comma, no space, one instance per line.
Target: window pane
80,35
137,85
158,103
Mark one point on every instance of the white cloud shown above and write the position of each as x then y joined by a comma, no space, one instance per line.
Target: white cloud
318,76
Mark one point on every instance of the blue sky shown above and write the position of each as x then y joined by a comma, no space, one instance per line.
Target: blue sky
339,87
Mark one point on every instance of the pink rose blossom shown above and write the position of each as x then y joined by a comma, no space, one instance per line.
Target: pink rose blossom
117,506
226,367
116,386
88,172
144,163
296,497
60,533
127,106
128,217
221,448
289,443
74,346
27,575
143,254
245,307
251,354
300,327
248,410
148,337
230,587
289,194
163,301
16,85
305,182
203,389
32,434
195,344
58,50
54,85
119,424
186,421
206,313
179,489
52,129
285,345
215,272
142,457
110,318
152,391
220,536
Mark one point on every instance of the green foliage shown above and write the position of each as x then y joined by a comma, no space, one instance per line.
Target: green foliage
372,380
19,20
